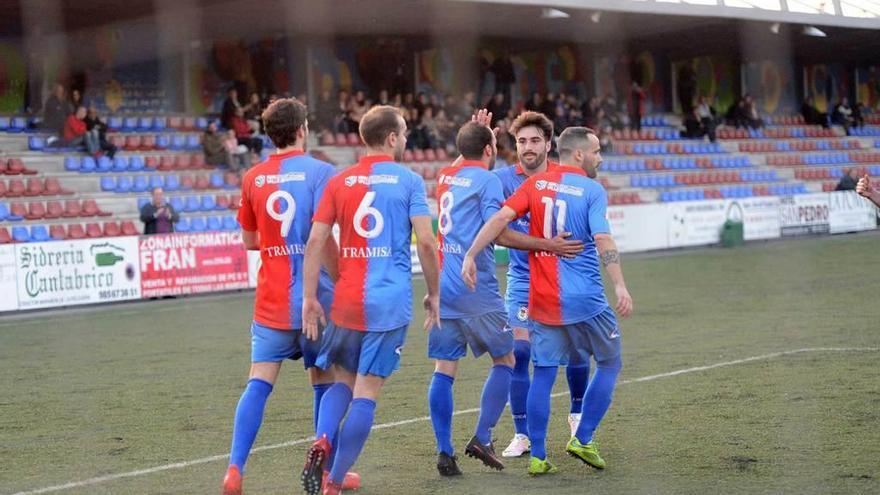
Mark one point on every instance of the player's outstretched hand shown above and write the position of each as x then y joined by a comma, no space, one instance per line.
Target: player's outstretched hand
864,186
432,312
469,272
564,247
624,301
482,117
312,314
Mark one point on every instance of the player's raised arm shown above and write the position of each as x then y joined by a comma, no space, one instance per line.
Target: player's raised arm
490,231
426,248
610,258
312,311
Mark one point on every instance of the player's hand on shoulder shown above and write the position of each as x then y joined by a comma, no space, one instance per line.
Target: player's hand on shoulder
624,301
432,311
312,315
562,246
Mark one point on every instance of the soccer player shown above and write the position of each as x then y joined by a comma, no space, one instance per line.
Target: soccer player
566,297
468,195
377,204
277,201
533,132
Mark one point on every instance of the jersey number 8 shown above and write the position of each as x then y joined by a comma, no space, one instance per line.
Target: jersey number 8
444,220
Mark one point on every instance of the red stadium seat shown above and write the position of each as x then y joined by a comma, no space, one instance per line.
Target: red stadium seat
151,162
174,122
166,163
128,228
75,231
442,155
132,143
202,182
16,188
57,232
235,201
93,230
197,161
36,211
54,209
352,139
340,139
222,201
72,209
35,187
2,188
186,182
117,140
187,124
90,209
182,162
419,155
16,167
112,229
408,156
148,142
430,155
18,210
5,238
327,139
231,178
53,188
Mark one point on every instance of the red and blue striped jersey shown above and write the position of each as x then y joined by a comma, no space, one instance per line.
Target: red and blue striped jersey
278,199
373,202
564,291
467,196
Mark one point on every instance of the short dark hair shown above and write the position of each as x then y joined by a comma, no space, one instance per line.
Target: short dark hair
378,123
528,119
572,138
282,118
472,139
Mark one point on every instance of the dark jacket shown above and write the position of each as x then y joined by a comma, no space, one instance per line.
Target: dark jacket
55,112
148,216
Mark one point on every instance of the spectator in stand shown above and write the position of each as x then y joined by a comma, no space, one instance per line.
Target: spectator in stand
158,216
692,127
253,111
498,107
76,134
325,112
812,115
430,130
213,147
446,128
849,181
750,113
243,133
420,104
238,156
383,99
705,114
636,106
94,124
357,108
865,189
56,109
858,115
505,76
230,107
76,99
548,106
535,102
843,115
590,111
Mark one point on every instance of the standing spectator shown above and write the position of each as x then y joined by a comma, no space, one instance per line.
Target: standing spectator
158,216
858,115
636,106
76,99
243,133
213,147
843,114
325,112
94,124
687,88
750,113
56,110
357,108
76,134
812,115
230,106
849,181
252,112
705,114
534,103
548,106
505,76
498,107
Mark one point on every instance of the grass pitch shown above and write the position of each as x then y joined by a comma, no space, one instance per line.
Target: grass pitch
101,391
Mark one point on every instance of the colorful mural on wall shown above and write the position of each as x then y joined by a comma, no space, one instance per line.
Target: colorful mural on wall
613,76
772,84
13,77
868,90
711,76
826,84
367,65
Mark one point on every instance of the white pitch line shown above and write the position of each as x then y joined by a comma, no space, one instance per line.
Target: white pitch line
291,443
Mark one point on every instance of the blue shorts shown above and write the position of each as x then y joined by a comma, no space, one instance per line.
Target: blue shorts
484,333
518,314
273,346
558,345
364,353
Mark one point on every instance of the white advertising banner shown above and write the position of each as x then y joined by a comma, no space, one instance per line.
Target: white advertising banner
696,223
849,212
8,291
254,263
804,214
414,258
67,273
760,216
639,227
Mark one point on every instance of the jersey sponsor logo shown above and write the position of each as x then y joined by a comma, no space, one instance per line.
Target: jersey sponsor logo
262,180
523,313
366,252
560,188
451,248
452,180
367,180
285,250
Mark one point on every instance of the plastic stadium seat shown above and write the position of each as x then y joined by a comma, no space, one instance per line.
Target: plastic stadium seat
132,143
36,143
72,209
5,238
17,211
90,205
148,142
36,211
214,224
2,188
35,187
145,124
4,212
151,162
207,203
88,165
141,184
16,188
17,124
114,123
217,181
135,163
231,180
39,233
174,122
156,181
182,225
54,209
117,140
408,156
229,223
76,231
166,163
5,122
159,124
110,184
72,163
202,182
186,183
198,224
177,203
193,142
111,229
172,183
192,204
178,142
327,139
235,201
16,167
128,228
198,161
93,230
201,123
124,184
130,124
188,123
57,232
162,141
120,164
104,164
21,234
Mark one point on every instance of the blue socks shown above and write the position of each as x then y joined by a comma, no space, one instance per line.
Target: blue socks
492,402
440,404
352,437
248,417
597,399
539,408
519,385
334,405
577,375
319,389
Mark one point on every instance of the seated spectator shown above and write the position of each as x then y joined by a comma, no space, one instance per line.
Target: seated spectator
812,115
158,216
213,146
735,114
325,113
357,108
230,106
849,181
750,113
430,130
95,124
606,144
843,115
76,99
858,115
243,133
253,111
56,109
76,134
238,156
705,114
693,129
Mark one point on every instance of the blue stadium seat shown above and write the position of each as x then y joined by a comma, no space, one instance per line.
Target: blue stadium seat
163,141
208,204
36,143
157,181
182,225
4,212
172,183
215,224
140,184
120,164
145,124
198,224
201,123
216,181
4,123
130,124
72,163
178,142
88,164
124,184
142,202
39,233
159,124
108,184
192,204
114,123
230,223
17,124
193,142
665,196
177,203
136,163
104,164
21,234
634,181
